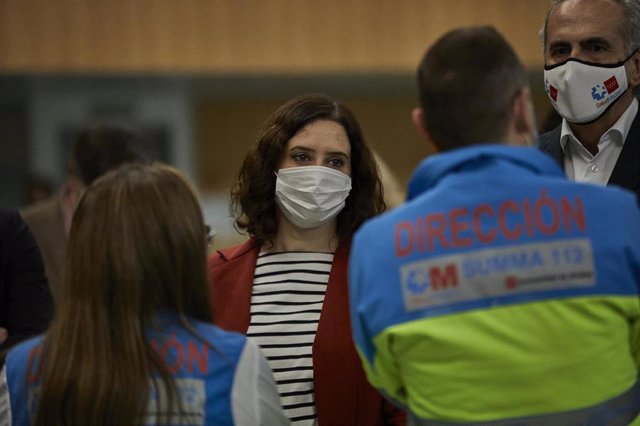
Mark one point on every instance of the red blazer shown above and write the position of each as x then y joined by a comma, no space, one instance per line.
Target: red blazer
343,395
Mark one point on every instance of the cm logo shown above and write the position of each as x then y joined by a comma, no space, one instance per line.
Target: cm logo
420,278
418,281
443,277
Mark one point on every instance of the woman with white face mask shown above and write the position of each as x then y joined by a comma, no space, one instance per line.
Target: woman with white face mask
304,188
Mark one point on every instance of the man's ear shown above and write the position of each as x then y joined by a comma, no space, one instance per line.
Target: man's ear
74,186
523,116
522,130
633,73
417,116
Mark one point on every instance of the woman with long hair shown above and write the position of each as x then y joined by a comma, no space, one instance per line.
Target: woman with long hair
304,188
130,341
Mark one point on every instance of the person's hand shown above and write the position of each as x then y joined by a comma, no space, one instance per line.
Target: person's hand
3,334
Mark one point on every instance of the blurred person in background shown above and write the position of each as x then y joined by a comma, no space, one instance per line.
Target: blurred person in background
25,301
37,188
501,292
131,340
304,188
95,151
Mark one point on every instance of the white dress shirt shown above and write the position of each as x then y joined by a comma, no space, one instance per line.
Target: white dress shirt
580,165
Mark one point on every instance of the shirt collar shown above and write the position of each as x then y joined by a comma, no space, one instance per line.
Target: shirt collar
621,126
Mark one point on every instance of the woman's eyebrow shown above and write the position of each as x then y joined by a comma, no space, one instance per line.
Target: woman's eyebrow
303,148
339,153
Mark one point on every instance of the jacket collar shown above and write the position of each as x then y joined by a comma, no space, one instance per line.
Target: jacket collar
550,144
437,166
234,252
626,172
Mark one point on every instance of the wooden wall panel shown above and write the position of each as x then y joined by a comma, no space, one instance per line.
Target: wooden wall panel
225,132
246,36
227,129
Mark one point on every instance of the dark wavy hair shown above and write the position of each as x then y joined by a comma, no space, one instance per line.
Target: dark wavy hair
253,195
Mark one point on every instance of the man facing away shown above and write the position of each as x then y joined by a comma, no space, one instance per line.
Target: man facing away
96,150
501,291
592,78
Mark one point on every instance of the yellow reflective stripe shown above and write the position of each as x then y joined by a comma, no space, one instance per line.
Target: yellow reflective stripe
510,361
618,411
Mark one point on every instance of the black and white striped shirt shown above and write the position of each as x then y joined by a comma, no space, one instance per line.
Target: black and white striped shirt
286,301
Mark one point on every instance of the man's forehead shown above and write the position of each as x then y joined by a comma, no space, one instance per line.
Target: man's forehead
584,20
599,7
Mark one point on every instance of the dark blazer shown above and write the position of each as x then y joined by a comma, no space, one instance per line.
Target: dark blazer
626,172
46,223
343,395
25,300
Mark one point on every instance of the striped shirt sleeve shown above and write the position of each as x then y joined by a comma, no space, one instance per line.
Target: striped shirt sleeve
5,401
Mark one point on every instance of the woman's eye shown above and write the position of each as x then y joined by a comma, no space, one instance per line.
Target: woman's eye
301,156
336,162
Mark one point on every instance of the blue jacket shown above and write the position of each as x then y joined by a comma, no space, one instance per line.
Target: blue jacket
206,377
500,290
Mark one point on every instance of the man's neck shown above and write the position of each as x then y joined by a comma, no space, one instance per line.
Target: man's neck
589,134
69,196
291,238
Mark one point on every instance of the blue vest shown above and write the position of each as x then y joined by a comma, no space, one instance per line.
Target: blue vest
203,375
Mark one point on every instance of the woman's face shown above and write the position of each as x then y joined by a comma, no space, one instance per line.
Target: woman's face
319,143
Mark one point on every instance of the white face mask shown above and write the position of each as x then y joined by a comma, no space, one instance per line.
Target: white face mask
310,196
581,92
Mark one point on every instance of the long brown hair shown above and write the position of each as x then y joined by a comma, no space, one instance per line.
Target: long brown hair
253,195
137,245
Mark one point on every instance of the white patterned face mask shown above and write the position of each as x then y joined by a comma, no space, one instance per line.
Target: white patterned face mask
581,91
311,196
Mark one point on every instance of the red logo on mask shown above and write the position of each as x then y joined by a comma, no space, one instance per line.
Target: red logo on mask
553,92
611,84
